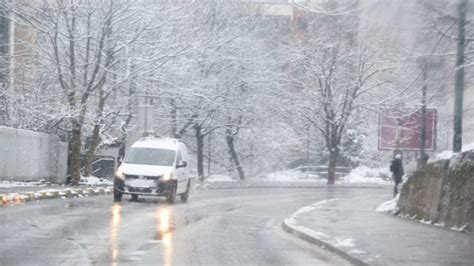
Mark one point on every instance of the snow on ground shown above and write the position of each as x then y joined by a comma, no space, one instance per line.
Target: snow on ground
364,174
446,155
11,184
468,147
389,206
220,178
94,181
284,176
360,174
314,206
291,176
88,181
357,251
345,242
459,229
338,242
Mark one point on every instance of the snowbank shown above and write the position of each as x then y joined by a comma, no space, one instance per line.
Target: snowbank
220,178
389,206
284,176
468,147
94,181
10,184
365,174
446,155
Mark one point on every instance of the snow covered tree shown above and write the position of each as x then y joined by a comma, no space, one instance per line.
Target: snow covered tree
78,45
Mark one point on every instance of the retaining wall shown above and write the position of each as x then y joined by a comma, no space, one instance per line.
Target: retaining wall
442,192
28,156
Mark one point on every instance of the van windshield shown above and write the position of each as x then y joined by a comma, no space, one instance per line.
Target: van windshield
150,156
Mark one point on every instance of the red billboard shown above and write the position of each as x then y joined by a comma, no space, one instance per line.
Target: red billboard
399,131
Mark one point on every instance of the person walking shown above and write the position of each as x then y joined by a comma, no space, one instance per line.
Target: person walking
397,169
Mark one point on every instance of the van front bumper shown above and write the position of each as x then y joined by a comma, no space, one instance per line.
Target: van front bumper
161,189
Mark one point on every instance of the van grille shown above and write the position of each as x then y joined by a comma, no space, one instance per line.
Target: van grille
151,177
142,177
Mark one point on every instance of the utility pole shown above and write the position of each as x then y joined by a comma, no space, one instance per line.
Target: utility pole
459,79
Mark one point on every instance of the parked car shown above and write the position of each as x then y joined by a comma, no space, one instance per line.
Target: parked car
154,167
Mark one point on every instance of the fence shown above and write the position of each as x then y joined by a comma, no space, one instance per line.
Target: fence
321,171
30,156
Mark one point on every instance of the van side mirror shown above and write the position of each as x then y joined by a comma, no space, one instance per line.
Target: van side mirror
181,165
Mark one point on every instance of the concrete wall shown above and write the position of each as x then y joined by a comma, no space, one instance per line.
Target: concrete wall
27,155
442,192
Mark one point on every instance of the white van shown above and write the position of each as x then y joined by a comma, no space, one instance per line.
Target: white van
154,167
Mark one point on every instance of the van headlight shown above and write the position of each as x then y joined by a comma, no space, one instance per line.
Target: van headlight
166,177
119,174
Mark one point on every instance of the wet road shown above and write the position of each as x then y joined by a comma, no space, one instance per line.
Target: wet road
217,227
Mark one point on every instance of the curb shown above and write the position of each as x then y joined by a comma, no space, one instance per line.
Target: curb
313,240
12,199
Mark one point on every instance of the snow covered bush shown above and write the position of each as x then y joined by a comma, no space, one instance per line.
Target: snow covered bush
366,174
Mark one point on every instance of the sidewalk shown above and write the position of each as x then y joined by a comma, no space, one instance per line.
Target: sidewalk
352,228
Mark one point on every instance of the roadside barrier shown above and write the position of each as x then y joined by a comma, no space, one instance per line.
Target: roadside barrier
12,199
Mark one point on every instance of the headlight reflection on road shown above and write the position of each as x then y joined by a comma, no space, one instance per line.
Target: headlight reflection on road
114,229
164,220
164,227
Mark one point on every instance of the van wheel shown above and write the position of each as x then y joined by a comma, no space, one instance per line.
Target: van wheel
117,196
171,195
185,196
134,197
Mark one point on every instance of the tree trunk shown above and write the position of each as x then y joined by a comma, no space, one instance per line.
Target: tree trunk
75,154
422,160
89,161
174,119
200,151
233,154
95,139
333,154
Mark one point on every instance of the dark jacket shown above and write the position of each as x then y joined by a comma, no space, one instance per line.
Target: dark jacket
397,169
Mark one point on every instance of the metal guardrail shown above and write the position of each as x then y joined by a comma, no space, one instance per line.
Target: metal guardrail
321,171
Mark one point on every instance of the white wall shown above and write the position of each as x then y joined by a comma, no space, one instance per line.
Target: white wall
27,155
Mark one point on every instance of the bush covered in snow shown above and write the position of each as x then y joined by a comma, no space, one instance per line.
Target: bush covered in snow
284,176
367,174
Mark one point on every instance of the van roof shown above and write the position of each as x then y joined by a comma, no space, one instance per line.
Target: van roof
157,143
